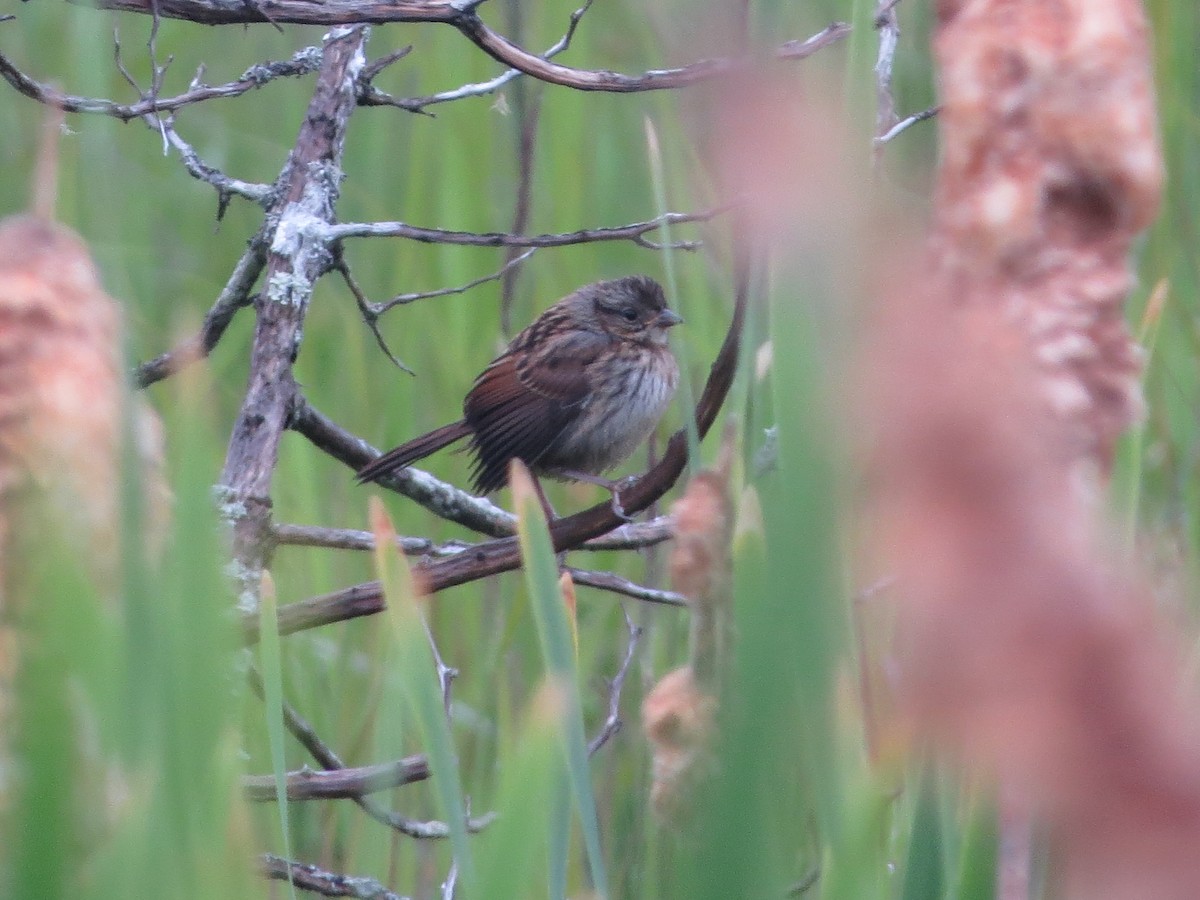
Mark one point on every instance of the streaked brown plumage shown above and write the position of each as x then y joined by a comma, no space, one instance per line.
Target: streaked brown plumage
572,396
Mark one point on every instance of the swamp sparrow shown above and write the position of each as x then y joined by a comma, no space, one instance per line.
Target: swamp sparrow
572,396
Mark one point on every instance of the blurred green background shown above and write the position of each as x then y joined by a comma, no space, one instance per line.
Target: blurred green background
161,684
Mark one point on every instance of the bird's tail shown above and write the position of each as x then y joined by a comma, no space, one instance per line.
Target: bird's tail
417,448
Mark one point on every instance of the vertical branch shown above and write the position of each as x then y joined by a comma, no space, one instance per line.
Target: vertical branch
298,256
527,108
888,26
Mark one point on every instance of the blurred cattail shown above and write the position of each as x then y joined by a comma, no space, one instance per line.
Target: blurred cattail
63,395
1003,374
61,389
63,402
678,714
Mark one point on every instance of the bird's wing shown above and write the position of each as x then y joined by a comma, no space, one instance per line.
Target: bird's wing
525,400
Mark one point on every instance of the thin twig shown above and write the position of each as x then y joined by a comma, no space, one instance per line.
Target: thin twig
446,674
373,68
482,88
451,881
635,232
261,194
607,581
904,124
612,724
367,310
827,36
378,309
633,535
234,296
302,62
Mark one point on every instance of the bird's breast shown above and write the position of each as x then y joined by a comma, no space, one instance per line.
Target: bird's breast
626,402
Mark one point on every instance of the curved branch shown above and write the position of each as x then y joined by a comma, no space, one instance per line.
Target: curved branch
463,17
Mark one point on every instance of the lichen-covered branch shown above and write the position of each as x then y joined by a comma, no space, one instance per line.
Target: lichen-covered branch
297,257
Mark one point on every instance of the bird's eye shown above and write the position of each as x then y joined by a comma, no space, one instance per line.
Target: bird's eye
629,314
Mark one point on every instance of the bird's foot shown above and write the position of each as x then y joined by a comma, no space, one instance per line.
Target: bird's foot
613,487
616,487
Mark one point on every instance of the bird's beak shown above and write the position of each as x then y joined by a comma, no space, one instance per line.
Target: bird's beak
668,317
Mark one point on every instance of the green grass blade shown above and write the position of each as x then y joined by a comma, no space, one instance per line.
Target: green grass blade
271,664
558,648
508,852
977,866
686,395
923,874
418,676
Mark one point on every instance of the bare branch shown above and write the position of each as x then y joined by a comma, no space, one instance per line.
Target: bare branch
463,17
338,784
367,599
234,296
612,724
302,62
373,68
302,731
226,187
308,877
349,603
631,536
299,254
888,26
